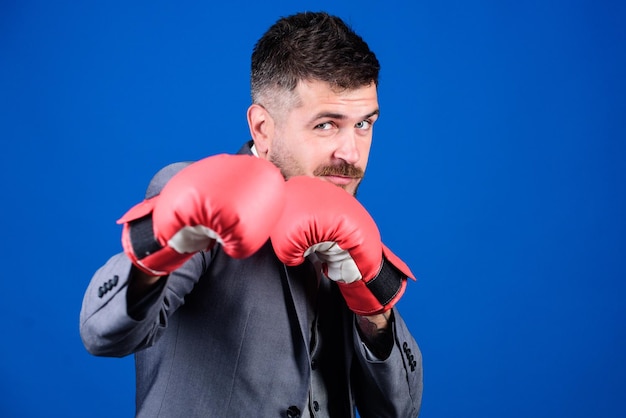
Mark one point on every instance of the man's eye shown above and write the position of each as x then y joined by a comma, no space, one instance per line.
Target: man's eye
364,124
324,126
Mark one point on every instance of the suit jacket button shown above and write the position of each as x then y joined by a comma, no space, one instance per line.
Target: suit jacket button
293,412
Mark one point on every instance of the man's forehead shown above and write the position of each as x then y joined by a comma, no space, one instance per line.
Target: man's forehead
322,97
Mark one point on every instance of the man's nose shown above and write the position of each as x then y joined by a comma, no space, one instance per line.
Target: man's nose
347,148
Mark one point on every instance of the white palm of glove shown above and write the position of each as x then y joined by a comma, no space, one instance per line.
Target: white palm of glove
191,239
339,266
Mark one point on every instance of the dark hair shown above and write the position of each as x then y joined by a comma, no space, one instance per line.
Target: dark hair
311,46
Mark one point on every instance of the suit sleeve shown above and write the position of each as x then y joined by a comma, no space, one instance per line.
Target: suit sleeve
390,387
108,325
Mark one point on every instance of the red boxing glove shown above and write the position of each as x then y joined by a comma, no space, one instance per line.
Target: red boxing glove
324,219
232,199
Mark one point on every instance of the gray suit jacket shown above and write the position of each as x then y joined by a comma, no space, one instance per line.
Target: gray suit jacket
222,337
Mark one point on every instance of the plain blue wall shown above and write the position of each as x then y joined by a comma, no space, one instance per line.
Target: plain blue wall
497,172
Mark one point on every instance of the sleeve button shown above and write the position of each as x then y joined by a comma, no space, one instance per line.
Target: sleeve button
293,412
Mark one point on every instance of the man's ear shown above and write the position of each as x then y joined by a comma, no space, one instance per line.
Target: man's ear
261,126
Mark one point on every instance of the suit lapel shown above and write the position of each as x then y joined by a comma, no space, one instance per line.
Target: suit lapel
300,283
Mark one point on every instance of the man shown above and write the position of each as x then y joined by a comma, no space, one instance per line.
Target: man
251,285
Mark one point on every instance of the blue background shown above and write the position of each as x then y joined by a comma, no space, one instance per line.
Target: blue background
497,172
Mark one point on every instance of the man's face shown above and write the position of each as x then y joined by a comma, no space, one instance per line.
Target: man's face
327,135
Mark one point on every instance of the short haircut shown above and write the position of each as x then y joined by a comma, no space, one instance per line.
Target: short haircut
310,46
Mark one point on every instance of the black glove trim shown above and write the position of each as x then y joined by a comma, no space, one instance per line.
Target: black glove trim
387,283
142,237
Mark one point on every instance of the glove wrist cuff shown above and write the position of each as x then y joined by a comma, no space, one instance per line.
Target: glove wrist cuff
377,295
145,252
141,237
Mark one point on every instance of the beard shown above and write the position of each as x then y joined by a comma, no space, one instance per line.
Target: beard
285,161
289,167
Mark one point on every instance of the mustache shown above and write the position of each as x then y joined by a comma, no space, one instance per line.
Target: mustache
342,169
